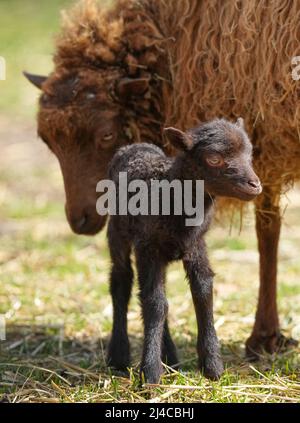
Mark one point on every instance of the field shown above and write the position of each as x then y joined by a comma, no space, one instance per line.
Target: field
53,284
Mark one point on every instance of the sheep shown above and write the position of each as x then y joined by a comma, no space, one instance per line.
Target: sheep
220,154
124,73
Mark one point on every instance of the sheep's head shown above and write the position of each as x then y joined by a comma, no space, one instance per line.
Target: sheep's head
220,152
81,119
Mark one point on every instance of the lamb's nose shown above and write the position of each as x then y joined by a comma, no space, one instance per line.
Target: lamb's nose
255,183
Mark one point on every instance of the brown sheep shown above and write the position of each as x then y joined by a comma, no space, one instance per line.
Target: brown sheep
121,75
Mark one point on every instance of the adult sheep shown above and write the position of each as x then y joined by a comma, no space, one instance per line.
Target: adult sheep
123,74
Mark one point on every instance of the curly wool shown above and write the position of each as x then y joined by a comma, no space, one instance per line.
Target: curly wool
98,36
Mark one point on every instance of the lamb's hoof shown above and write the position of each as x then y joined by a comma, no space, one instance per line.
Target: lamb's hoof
118,355
256,345
212,367
151,374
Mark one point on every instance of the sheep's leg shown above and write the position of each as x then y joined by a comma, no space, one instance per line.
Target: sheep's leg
121,279
266,335
169,354
200,277
154,312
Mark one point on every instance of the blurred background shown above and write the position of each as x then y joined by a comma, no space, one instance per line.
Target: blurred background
53,284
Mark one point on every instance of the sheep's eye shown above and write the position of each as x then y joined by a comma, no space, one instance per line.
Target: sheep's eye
215,160
90,96
105,141
108,137
105,138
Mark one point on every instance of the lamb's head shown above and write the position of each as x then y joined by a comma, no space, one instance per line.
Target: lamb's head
81,119
220,152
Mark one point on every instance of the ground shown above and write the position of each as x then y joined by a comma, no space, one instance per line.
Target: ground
54,290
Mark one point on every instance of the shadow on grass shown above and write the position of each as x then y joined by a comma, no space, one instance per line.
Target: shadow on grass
39,363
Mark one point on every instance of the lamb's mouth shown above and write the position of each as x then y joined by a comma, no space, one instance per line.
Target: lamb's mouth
247,192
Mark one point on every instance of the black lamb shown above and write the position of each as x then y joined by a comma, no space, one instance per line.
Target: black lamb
220,154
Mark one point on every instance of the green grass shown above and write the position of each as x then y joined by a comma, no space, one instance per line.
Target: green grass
27,30
53,285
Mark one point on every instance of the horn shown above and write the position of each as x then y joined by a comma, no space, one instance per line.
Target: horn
36,80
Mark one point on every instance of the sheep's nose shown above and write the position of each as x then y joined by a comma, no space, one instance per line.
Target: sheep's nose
80,223
85,221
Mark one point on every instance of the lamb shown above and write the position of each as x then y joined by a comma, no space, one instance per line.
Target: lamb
217,152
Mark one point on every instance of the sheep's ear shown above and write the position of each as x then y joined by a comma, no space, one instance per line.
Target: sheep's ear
130,87
179,139
240,123
36,80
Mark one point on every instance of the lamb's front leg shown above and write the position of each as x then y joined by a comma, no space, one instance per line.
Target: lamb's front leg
121,280
200,277
154,312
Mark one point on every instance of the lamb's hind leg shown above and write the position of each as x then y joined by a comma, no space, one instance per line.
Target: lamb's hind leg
154,311
168,348
121,279
266,335
201,281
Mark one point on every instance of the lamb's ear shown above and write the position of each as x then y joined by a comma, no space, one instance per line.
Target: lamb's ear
240,123
128,87
179,139
36,80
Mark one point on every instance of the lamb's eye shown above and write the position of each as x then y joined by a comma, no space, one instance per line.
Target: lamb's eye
215,160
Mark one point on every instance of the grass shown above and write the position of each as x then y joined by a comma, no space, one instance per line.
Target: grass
53,285
27,31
